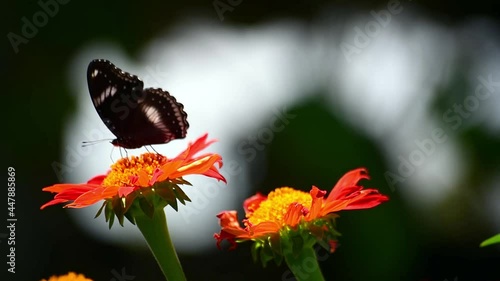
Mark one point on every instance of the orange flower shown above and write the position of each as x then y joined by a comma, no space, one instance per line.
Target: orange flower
68,277
286,209
137,177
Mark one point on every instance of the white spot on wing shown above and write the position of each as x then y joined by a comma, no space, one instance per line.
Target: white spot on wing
153,116
108,92
94,74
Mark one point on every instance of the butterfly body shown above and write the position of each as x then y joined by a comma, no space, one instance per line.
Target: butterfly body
136,116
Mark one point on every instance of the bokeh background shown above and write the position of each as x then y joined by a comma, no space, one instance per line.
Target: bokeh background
297,93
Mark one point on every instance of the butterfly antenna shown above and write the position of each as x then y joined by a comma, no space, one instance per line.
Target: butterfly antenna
89,143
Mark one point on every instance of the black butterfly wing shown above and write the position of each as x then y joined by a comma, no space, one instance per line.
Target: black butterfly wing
158,119
136,116
114,94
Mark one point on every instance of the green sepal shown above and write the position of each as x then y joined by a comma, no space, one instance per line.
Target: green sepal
129,200
147,206
108,211
181,181
297,244
181,196
275,242
130,217
166,192
267,249
254,250
292,241
266,254
118,209
100,209
110,215
158,196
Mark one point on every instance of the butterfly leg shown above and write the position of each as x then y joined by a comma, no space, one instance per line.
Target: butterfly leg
111,155
154,150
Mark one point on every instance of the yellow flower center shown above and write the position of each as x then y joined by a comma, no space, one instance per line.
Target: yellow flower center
68,277
274,208
124,168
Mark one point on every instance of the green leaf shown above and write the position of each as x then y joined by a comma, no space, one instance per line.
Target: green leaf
492,240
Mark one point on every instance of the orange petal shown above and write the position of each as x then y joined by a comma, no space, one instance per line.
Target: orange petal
229,224
97,179
198,166
68,192
251,204
230,227
193,148
143,178
214,173
168,169
94,196
53,202
124,191
317,203
366,199
294,214
263,228
333,206
223,235
63,186
350,179
228,219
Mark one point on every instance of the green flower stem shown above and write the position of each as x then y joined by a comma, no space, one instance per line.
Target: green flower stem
305,266
155,231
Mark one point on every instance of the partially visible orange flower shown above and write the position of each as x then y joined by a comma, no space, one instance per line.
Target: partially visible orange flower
287,211
71,276
138,177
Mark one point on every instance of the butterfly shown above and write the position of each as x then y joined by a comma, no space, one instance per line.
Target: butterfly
136,116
